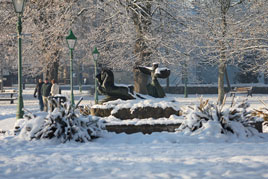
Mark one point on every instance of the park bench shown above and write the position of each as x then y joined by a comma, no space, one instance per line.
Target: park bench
8,95
241,90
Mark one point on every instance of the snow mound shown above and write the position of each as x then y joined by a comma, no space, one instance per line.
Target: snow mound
208,119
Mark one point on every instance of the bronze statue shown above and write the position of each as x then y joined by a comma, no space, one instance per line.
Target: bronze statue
106,87
154,88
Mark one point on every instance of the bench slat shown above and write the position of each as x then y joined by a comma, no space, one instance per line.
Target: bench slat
243,88
236,90
8,99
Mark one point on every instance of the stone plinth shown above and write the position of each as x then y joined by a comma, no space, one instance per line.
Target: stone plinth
145,129
140,112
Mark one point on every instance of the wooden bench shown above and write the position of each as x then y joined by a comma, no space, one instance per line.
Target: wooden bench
8,95
241,90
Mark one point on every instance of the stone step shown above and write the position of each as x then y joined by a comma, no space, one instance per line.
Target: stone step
144,128
148,129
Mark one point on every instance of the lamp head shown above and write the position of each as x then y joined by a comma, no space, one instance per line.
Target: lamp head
71,40
95,54
18,5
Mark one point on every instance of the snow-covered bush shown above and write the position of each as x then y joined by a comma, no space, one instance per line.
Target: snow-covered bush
63,124
213,119
85,110
262,112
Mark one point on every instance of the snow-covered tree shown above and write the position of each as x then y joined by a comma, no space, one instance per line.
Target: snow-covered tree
48,23
226,30
7,35
129,33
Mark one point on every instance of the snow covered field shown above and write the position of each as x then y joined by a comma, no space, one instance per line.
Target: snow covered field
159,155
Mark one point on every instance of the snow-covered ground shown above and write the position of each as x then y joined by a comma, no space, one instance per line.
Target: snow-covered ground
159,155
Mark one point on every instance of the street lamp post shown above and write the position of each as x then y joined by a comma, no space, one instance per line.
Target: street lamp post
19,6
96,54
71,41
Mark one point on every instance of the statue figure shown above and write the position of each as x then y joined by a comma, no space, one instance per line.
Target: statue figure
154,88
106,87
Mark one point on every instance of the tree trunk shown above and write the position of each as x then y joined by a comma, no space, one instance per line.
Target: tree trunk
65,75
140,82
80,74
52,71
1,78
221,83
167,84
227,78
140,79
142,23
225,5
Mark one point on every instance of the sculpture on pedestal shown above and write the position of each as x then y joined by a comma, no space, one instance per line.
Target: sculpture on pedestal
154,88
107,87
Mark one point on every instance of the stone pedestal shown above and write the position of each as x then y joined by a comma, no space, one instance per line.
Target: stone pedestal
140,112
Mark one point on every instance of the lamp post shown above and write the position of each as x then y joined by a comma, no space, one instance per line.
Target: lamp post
19,6
71,41
95,54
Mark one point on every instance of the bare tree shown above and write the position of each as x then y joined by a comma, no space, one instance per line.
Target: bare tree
222,31
131,33
49,22
7,36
